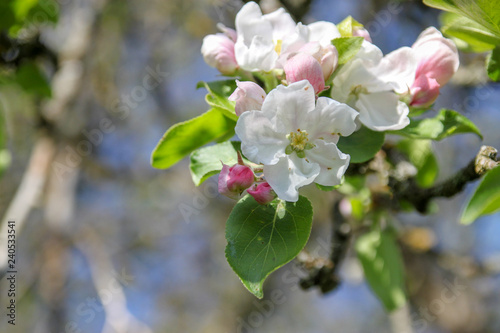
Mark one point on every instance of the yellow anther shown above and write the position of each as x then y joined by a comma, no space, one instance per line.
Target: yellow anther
277,48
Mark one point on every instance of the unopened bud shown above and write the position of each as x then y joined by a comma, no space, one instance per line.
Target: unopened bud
218,52
305,67
437,56
234,180
248,96
262,193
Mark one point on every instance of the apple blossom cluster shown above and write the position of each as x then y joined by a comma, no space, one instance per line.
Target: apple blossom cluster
290,132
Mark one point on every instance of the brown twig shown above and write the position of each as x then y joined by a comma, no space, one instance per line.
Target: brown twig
409,191
323,273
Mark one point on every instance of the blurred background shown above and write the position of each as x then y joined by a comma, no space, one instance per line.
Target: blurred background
106,243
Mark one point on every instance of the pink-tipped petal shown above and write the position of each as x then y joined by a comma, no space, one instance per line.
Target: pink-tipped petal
305,67
327,56
437,56
424,90
361,32
248,96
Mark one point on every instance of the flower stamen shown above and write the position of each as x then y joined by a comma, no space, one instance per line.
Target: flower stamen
277,47
299,142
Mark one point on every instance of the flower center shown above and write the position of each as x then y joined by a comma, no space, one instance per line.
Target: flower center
298,143
354,94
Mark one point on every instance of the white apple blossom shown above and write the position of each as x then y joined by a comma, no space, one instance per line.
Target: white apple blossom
265,41
375,84
371,83
295,138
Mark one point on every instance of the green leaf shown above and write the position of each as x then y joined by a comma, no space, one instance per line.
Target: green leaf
420,154
484,12
486,198
473,36
206,162
5,156
31,13
361,145
7,16
43,13
182,138
445,124
21,8
218,92
347,47
326,188
260,239
383,267
493,67
31,79
346,26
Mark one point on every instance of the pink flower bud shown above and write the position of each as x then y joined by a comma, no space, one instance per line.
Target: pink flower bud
248,96
218,52
303,66
231,33
424,90
361,32
327,56
438,56
234,180
262,193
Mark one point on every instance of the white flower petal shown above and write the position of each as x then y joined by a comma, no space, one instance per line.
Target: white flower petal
333,163
288,107
382,111
329,119
282,23
369,53
258,55
323,32
260,142
355,74
398,69
289,174
254,48
294,41
258,36
250,22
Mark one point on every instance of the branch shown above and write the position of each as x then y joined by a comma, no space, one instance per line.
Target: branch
408,190
323,272
28,192
108,283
